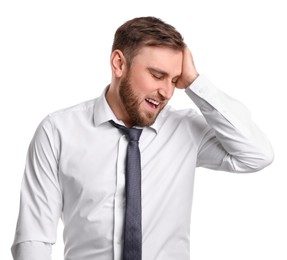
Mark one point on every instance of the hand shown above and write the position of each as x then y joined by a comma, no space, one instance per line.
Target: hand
189,72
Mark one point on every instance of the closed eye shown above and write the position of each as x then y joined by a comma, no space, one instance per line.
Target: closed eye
161,75
156,76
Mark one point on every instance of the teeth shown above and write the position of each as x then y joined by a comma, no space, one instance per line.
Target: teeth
156,103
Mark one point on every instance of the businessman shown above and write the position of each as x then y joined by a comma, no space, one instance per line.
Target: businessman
119,169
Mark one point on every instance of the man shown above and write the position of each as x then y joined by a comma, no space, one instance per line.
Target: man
76,161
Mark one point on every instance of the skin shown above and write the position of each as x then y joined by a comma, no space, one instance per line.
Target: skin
137,94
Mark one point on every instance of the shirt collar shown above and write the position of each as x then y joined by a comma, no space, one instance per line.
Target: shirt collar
103,113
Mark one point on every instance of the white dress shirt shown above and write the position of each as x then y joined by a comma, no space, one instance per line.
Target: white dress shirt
75,171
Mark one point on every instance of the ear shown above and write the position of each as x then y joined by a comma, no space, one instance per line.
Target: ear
118,63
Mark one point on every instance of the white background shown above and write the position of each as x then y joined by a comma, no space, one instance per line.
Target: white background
54,54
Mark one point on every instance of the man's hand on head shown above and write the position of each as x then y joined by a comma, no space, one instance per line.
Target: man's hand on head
189,72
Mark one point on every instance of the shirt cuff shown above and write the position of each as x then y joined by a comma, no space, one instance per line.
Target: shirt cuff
32,250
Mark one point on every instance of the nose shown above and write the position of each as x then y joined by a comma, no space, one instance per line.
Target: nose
167,90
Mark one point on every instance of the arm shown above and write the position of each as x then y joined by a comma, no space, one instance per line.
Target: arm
232,141
41,199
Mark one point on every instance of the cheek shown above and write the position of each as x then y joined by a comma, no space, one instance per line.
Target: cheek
142,84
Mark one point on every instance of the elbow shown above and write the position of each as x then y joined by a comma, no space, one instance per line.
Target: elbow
267,158
253,162
262,160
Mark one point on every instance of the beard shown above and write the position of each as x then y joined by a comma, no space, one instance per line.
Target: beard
132,105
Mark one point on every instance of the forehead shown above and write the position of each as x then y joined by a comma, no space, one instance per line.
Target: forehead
163,58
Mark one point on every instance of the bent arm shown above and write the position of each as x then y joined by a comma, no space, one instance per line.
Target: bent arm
232,141
41,199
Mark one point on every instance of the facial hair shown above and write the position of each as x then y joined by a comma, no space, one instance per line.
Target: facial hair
132,105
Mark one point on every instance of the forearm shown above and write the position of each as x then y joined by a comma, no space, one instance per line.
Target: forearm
31,250
246,147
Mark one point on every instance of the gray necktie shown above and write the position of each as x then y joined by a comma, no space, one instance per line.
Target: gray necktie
133,226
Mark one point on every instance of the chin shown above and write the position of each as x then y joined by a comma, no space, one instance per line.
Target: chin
148,120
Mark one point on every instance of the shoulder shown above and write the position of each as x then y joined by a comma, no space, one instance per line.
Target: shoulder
181,115
70,117
80,108
188,119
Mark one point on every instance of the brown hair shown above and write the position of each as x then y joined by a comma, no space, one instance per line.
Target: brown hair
145,31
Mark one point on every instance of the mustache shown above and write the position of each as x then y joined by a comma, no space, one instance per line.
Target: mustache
157,97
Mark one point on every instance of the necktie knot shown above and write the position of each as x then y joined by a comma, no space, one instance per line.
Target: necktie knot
133,133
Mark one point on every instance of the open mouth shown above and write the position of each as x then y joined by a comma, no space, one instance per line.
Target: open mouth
152,103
